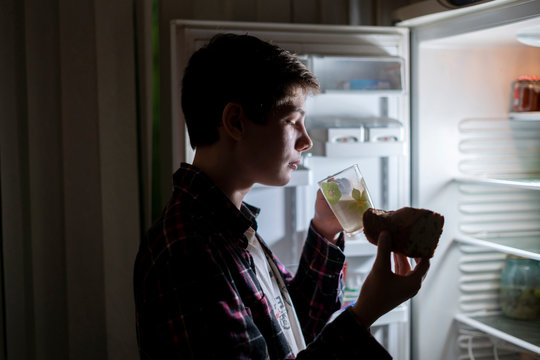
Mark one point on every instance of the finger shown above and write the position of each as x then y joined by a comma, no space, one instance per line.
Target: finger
421,269
404,265
320,195
384,244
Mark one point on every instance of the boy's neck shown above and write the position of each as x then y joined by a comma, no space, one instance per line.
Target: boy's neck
223,172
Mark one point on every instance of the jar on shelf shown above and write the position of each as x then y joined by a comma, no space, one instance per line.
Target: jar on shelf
526,93
520,288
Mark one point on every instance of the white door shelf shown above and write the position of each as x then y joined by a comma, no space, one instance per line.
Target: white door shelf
522,333
525,245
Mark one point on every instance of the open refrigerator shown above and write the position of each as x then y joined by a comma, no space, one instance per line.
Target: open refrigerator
425,109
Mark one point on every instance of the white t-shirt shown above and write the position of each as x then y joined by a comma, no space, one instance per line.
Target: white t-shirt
275,290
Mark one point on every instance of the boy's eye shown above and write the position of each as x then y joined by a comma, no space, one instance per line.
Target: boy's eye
293,120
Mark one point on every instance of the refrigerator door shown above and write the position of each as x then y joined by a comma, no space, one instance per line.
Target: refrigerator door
478,165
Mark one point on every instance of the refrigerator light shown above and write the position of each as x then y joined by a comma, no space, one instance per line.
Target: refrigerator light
529,36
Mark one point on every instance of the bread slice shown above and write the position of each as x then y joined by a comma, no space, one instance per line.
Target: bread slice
415,232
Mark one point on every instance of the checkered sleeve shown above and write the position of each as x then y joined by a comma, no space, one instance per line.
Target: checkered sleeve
316,289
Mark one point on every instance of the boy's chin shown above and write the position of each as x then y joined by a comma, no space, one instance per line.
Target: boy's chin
282,181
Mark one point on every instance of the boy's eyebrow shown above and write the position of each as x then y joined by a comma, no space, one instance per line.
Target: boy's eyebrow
301,111
290,107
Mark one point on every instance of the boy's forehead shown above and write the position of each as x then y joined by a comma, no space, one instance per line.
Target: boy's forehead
296,98
291,104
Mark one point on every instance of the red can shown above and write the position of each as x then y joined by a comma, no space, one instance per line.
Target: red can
526,93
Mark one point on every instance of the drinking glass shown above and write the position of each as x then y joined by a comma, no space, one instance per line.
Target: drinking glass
348,197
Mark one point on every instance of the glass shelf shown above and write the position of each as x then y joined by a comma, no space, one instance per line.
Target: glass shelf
522,333
525,116
520,245
529,184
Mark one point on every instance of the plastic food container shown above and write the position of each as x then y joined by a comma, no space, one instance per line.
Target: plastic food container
526,93
520,288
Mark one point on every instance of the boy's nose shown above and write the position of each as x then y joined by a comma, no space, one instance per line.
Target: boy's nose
304,142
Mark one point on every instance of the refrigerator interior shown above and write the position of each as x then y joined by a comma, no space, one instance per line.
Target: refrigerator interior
349,113
478,164
361,116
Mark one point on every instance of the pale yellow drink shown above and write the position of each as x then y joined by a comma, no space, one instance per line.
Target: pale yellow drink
350,219
348,197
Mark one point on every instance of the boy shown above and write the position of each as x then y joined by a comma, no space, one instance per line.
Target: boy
206,285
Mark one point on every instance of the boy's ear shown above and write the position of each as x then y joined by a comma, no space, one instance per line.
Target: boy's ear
233,119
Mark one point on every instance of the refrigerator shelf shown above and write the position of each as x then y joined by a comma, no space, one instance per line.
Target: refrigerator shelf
397,315
301,177
366,149
525,116
529,184
525,246
360,247
522,333
358,73
378,92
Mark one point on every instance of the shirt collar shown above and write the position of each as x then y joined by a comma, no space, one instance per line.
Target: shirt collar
214,202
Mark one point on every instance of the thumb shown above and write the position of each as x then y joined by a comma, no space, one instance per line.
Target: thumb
421,269
384,245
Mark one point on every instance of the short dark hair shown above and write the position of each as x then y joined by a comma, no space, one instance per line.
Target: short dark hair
241,69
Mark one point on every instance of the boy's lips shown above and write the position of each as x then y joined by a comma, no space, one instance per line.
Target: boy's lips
294,164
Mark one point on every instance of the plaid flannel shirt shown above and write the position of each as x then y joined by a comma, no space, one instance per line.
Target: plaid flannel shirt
197,296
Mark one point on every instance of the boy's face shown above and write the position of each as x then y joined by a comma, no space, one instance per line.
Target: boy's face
274,149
